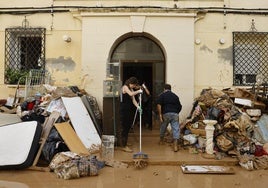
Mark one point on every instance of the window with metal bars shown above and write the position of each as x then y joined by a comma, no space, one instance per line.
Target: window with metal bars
24,50
250,58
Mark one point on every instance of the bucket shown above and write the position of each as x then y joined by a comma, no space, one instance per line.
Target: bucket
107,147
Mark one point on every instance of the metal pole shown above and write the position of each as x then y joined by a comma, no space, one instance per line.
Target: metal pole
134,118
140,117
114,114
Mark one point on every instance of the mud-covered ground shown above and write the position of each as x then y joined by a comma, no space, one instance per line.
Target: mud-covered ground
152,177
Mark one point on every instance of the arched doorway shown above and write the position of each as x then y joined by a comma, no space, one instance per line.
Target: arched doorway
142,57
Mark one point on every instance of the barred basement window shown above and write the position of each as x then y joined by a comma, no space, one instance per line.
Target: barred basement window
24,50
250,57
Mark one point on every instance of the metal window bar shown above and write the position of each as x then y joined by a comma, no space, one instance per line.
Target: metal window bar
35,82
250,57
24,49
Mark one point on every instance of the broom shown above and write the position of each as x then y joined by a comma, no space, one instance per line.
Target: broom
140,158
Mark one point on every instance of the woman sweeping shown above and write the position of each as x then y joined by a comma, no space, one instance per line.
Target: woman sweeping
128,106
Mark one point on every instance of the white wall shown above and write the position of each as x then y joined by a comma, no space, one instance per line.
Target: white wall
175,32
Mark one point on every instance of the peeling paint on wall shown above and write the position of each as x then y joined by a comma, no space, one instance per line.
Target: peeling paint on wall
224,76
225,58
61,64
226,55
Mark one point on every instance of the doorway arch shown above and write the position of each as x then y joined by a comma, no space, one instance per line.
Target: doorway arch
142,56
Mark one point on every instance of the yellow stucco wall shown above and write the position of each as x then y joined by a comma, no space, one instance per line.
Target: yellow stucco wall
63,60
191,66
213,60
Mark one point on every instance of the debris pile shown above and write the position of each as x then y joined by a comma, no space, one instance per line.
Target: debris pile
71,127
69,165
241,129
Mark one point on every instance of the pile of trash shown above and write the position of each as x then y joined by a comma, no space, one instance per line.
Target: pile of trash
69,165
39,108
241,130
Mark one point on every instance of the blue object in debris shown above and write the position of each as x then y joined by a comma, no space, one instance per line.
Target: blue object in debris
261,129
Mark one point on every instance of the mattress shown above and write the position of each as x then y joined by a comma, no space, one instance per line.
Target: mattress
19,143
90,108
82,123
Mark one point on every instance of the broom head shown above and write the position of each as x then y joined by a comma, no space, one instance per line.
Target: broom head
140,160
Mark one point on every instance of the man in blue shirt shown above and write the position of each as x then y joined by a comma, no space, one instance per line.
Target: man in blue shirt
169,107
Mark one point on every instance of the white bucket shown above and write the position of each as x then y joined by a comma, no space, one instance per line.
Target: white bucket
107,147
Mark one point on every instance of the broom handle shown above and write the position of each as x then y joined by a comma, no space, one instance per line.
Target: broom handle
140,118
134,118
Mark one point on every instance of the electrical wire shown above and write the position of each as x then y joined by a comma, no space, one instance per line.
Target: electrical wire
59,9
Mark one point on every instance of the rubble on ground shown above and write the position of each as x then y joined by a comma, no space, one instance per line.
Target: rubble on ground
242,125
69,165
39,108
241,130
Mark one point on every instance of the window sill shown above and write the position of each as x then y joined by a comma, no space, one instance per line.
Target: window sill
14,86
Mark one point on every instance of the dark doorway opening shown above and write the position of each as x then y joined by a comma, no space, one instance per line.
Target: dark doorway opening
143,71
142,57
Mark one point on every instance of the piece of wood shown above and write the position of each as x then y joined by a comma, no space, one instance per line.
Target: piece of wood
70,138
243,93
206,169
47,126
178,163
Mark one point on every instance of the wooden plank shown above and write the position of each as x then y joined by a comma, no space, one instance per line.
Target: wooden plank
47,126
70,138
206,169
178,162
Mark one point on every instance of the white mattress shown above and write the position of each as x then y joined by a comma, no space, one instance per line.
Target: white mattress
82,123
19,143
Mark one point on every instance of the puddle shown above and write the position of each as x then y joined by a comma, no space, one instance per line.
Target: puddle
10,184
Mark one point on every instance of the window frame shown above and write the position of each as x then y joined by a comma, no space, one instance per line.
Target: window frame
249,57
24,50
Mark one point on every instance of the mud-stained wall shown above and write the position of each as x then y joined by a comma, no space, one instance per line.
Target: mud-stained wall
191,64
214,58
60,66
63,59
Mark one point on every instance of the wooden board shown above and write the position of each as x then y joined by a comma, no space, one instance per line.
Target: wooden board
70,138
206,169
47,126
82,123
